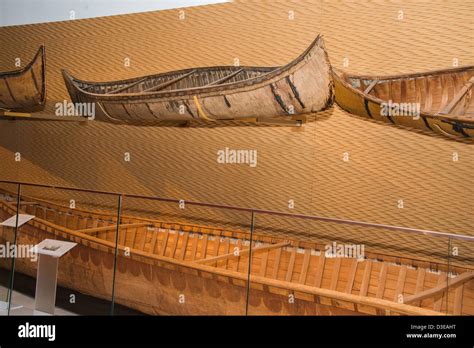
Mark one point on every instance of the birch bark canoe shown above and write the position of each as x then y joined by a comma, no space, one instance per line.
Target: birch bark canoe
213,93
168,260
444,97
24,89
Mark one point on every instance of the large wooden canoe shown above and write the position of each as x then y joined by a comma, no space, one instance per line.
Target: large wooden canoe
213,93
444,97
24,89
170,262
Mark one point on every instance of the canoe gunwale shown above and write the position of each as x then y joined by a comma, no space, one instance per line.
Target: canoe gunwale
403,76
342,77
203,91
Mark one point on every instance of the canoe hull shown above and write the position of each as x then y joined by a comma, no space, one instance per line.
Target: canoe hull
157,288
360,104
303,86
171,268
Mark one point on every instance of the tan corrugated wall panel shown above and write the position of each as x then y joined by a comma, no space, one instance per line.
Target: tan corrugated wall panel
386,163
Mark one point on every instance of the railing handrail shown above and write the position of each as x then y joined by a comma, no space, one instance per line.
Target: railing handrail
257,211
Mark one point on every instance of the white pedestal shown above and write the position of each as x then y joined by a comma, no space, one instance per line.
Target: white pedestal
22,219
49,251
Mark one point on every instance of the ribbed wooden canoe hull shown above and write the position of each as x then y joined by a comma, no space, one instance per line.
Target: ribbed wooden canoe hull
154,287
301,87
170,264
24,89
433,96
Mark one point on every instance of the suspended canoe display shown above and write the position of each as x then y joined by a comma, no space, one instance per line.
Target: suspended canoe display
161,263
213,93
24,89
438,101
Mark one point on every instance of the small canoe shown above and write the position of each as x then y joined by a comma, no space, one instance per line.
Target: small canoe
174,268
213,93
438,101
24,89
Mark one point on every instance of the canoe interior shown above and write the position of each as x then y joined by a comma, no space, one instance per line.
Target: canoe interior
285,261
433,91
175,81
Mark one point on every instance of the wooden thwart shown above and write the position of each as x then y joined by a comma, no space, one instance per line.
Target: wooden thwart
459,280
242,252
371,86
225,78
447,109
112,227
169,83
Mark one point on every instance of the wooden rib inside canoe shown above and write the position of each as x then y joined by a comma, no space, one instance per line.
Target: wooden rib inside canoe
209,267
438,101
24,89
213,93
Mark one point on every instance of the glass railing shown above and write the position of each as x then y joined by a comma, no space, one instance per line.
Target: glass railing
86,252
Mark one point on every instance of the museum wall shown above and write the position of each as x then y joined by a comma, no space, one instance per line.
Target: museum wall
386,164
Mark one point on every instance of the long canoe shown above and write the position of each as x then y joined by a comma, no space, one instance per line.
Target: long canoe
213,93
24,89
173,268
438,101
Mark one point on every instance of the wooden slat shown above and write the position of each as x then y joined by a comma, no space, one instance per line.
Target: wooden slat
133,231
263,264
164,243
335,277
441,287
441,282
154,237
335,273
184,246
366,278
381,287
458,300
226,251
320,270
205,240
122,234
237,261
304,266
276,264
352,274
174,245
382,280
428,95
400,282
142,243
194,248
291,266
420,281
217,244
